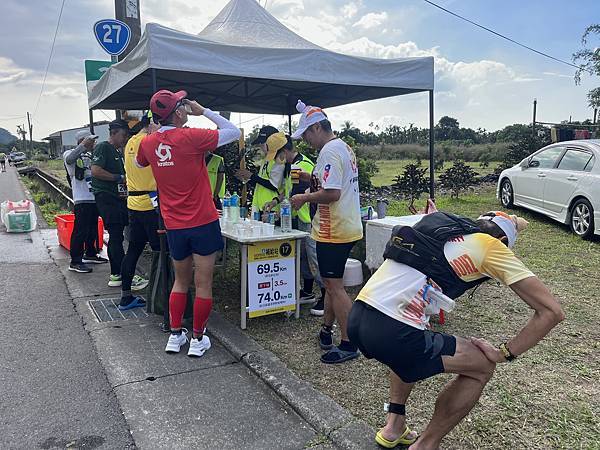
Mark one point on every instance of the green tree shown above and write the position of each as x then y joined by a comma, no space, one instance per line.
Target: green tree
518,151
366,167
458,178
412,182
588,60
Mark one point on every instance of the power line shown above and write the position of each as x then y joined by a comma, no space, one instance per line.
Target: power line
49,57
503,36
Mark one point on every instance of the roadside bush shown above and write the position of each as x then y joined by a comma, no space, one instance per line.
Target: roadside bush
412,182
366,166
40,157
458,178
519,151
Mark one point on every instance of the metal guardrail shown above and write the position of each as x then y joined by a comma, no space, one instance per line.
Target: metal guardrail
53,183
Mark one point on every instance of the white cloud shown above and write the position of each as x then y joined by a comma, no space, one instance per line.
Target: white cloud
349,10
13,78
64,92
371,20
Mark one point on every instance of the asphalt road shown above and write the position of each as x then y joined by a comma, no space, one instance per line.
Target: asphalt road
55,393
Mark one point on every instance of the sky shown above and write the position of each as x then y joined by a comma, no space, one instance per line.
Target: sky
480,79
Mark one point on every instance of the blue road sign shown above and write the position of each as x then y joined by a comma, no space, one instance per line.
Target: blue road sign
112,35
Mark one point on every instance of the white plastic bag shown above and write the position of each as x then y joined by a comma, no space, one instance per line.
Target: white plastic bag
18,217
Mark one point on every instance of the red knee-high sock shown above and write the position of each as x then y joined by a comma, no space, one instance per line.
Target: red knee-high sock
177,302
202,307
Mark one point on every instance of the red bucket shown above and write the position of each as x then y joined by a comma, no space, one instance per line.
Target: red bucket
64,229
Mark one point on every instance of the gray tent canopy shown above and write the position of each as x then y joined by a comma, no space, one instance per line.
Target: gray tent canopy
245,60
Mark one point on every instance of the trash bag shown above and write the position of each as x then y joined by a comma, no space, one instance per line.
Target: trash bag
18,216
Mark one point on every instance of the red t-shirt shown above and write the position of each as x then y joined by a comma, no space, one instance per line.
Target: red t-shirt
176,156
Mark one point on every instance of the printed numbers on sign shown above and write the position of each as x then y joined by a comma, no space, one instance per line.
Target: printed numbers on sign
267,268
267,297
108,32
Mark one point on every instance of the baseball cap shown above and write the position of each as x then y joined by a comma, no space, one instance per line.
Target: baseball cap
118,124
82,134
164,102
511,225
310,116
263,134
275,142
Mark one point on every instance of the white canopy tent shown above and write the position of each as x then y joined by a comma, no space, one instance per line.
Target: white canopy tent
245,60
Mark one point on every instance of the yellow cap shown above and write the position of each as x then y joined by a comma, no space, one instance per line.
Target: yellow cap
275,142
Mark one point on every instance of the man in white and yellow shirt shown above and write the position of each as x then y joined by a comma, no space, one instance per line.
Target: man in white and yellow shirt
143,217
390,322
336,223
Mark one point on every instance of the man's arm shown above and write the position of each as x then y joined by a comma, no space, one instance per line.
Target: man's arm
103,174
228,132
322,197
547,314
86,144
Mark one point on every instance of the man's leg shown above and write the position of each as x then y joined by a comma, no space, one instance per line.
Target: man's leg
460,395
115,247
178,298
92,242
78,235
337,305
203,278
395,424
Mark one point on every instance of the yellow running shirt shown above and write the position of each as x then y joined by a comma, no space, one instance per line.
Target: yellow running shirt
397,289
138,179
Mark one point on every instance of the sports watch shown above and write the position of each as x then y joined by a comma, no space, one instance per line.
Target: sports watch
506,352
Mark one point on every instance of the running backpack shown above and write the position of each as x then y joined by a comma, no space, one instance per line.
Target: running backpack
422,247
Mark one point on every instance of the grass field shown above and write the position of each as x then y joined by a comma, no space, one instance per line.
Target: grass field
391,168
548,399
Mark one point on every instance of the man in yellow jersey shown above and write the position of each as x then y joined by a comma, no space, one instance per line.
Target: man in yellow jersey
215,165
143,217
427,266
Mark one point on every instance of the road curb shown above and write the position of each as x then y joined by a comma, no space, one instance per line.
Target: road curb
321,412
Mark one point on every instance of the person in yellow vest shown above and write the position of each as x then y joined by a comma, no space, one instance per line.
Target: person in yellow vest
269,181
143,216
215,165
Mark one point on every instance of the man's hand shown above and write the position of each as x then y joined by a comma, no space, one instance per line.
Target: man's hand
243,175
492,353
195,108
298,201
89,143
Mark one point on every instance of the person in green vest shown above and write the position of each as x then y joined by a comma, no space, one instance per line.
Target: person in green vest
215,165
269,181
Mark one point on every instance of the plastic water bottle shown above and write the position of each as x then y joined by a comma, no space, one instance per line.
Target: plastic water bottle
234,208
255,213
286,215
226,206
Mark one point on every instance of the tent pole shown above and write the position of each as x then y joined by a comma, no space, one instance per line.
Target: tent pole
431,157
289,124
153,76
92,121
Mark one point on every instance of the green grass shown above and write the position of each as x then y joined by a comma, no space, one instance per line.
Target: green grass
548,399
391,168
44,202
54,167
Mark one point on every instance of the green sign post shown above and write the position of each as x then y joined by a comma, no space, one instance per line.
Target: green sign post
94,71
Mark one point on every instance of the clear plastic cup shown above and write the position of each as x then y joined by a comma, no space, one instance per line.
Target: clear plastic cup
268,229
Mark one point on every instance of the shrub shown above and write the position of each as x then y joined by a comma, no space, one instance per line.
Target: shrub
40,157
413,182
458,178
519,151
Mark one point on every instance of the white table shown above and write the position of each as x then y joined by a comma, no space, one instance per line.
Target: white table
378,233
246,242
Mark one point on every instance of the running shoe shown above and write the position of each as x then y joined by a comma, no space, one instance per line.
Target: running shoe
176,341
199,346
114,281
131,302
95,259
325,339
306,296
79,268
318,309
138,283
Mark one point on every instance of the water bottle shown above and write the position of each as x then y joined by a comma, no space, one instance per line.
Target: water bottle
285,214
226,206
255,213
234,208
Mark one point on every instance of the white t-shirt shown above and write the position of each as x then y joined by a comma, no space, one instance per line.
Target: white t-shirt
397,289
81,189
336,168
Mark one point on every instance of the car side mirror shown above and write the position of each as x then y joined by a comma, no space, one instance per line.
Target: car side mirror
534,163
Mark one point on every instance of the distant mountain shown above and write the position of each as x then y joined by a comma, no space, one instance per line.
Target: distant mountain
6,137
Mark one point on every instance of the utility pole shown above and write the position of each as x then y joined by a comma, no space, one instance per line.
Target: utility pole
21,132
534,113
30,126
595,115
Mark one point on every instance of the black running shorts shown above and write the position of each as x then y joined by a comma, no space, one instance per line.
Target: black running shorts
332,258
412,354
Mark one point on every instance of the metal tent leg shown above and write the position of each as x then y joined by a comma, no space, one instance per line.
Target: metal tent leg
431,156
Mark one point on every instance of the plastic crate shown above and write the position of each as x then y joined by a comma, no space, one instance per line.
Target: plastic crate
64,229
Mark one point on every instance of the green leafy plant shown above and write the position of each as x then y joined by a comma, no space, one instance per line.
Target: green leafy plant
412,183
458,178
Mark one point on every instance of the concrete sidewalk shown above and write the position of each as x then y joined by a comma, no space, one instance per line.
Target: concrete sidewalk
55,393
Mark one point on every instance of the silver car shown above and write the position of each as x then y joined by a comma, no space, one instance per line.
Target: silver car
561,181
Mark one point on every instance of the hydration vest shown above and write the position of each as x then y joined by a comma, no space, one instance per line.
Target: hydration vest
213,170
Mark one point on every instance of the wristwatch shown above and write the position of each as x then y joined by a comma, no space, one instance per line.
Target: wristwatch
506,352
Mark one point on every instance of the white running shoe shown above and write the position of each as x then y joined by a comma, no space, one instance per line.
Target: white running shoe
176,341
198,347
138,283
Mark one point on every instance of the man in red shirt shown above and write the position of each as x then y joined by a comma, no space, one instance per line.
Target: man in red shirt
177,158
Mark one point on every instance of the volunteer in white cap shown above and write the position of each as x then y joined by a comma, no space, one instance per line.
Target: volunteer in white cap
84,240
390,318
336,223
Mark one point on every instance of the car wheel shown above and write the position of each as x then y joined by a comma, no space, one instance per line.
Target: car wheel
582,219
506,194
